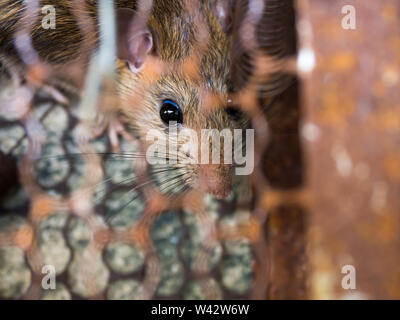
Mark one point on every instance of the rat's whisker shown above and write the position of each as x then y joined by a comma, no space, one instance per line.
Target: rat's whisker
100,195
67,156
133,190
103,184
168,169
172,182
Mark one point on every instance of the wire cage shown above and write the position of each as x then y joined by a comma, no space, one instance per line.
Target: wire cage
321,99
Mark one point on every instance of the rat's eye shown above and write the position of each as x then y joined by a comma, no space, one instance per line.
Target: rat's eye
170,111
234,113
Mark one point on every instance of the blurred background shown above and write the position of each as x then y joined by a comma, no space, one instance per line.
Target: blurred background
320,81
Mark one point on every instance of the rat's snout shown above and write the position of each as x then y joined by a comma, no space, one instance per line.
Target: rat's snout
216,179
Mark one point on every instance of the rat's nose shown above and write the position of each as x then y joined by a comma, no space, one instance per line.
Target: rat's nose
216,179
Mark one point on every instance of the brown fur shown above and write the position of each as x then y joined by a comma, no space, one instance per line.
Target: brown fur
177,43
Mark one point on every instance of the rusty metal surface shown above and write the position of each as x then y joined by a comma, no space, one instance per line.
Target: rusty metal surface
352,135
287,216
192,245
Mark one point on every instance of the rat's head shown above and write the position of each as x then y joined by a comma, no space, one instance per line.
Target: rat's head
173,82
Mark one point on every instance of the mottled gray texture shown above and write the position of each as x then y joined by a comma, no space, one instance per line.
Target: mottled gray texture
87,274
237,266
64,240
56,121
53,166
123,208
15,275
123,258
9,137
79,234
167,227
205,289
172,277
124,290
60,293
53,249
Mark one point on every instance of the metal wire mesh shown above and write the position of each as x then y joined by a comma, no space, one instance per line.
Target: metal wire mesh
81,200
98,218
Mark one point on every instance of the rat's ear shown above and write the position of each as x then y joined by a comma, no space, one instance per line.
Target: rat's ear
135,40
223,11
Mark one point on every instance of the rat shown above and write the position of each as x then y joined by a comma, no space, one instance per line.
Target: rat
168,35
